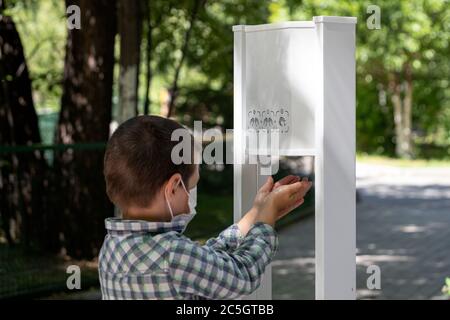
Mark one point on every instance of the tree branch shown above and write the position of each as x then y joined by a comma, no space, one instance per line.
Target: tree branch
198,4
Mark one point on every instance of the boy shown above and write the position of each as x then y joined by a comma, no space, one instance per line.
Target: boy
145,254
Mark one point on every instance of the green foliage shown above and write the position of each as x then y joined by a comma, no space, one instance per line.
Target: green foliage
446,288
207,74
414,34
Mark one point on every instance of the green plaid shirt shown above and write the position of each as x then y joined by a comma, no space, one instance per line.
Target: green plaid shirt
154,260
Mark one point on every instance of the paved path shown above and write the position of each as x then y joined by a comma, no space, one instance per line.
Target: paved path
403,226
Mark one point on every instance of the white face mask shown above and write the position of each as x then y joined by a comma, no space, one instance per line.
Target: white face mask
184,218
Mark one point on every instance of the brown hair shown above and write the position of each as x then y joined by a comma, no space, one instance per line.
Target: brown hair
138,160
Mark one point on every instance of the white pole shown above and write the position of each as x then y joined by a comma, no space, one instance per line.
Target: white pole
335,160
246,176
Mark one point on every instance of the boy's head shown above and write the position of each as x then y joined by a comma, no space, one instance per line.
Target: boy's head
139,172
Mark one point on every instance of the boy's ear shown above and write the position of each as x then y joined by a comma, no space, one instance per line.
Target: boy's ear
172,184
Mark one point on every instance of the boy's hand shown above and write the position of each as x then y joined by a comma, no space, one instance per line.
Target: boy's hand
273,201
269,186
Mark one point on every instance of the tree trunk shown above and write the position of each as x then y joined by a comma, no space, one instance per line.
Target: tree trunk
148,55
398,119
402,105
407,116
23,183
85,117
130,24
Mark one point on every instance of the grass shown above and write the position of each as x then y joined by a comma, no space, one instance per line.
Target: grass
214,213
407,163
24,272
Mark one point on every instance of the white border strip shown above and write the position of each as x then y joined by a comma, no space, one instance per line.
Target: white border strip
294,24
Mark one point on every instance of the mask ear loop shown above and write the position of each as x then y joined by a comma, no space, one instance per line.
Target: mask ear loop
185,190
167,200
168,205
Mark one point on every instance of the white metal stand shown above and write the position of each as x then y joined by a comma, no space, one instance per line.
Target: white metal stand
299,77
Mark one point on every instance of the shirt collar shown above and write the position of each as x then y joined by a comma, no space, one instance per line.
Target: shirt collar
123,226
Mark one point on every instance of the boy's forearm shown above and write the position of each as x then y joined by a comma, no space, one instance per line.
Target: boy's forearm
249,219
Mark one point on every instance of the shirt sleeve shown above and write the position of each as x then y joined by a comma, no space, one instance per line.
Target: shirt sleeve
216,274
228,240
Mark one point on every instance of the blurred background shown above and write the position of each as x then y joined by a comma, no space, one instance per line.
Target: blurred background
63,91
